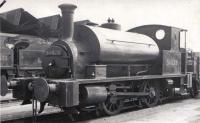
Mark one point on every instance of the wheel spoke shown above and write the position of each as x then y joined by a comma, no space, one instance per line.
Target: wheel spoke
110,107
115,106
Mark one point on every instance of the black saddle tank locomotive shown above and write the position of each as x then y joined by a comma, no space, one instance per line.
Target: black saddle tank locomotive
108,69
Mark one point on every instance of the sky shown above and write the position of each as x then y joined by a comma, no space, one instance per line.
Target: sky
129,13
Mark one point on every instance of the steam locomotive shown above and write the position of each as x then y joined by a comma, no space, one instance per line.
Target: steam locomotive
108,70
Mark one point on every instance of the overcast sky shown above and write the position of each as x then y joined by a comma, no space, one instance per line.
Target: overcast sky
128,13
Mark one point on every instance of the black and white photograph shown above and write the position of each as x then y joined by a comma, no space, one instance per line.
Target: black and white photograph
100,61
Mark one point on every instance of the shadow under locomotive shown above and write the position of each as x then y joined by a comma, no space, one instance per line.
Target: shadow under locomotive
107,70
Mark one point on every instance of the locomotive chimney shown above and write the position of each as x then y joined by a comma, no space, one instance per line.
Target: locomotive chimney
67,21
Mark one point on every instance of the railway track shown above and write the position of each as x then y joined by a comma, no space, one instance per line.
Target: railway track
46,118
23,114
8,101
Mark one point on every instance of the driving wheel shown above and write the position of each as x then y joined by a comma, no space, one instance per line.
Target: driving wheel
153,98
112,106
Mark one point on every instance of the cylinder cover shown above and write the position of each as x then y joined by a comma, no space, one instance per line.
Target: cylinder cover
93,94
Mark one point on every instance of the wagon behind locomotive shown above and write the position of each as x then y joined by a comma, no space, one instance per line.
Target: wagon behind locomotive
21,43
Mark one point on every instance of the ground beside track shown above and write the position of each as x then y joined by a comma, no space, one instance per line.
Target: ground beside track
185,110
17,113
7,97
